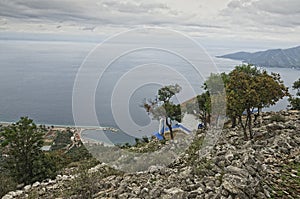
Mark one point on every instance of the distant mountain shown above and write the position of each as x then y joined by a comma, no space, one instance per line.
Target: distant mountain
284,58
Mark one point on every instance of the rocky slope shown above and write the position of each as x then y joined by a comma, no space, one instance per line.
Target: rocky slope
266,167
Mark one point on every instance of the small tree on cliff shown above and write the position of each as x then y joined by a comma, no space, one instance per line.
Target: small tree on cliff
200,107
249,88
22,142
215,101
204,105
163,106
295,101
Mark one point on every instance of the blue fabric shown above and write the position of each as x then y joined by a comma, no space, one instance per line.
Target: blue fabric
158,136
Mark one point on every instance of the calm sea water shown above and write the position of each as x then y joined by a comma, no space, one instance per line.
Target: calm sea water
36,80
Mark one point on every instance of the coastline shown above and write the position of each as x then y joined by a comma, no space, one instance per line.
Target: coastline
69,126
77,130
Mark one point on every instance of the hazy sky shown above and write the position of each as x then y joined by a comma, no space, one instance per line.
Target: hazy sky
273,20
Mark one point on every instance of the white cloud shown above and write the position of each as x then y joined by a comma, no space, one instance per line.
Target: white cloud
283,7
99,13
265,19
282,13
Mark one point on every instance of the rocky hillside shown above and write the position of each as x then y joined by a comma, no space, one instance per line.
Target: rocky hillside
286,58
266,167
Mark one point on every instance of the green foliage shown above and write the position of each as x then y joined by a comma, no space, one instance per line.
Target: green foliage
137,141
7,184
295,101
163,106
270,89
173,111
166,93
45,167
249,88
215,83
277,118
63,159
145,139
23,141
78,154
25,162
87,183
62,139
296,86
203,168
204,104
194,148
213,102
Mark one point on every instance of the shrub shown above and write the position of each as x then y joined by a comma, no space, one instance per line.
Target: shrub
277,118
7,184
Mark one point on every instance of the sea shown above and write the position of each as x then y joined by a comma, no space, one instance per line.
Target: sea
37,79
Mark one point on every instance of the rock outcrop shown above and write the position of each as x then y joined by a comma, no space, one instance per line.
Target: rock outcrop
267,166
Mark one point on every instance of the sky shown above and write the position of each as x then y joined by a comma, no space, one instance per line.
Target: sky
275,22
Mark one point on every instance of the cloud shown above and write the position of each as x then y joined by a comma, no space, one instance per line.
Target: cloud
113,12
264,13
282,7
135,7
226,18
55,11
91,15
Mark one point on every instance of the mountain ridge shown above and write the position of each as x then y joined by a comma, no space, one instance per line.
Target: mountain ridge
282,58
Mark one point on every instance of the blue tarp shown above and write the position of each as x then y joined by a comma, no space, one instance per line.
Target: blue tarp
158,136
176,126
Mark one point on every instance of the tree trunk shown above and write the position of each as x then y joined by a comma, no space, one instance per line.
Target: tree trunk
259,116
208,119
204,120
233,121
169,124
244,127
249,118
256,116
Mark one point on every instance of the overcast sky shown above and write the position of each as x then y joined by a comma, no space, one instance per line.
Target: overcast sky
274,20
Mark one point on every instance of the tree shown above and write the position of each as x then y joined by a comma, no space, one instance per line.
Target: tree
22,142
216,100
163,107
295,101
204,105
249,88
296,86
210,104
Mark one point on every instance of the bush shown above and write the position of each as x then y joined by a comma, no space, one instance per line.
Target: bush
295,103
43,168
145,139
7,184
25,162
62,139
87,183
277,118
78,153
